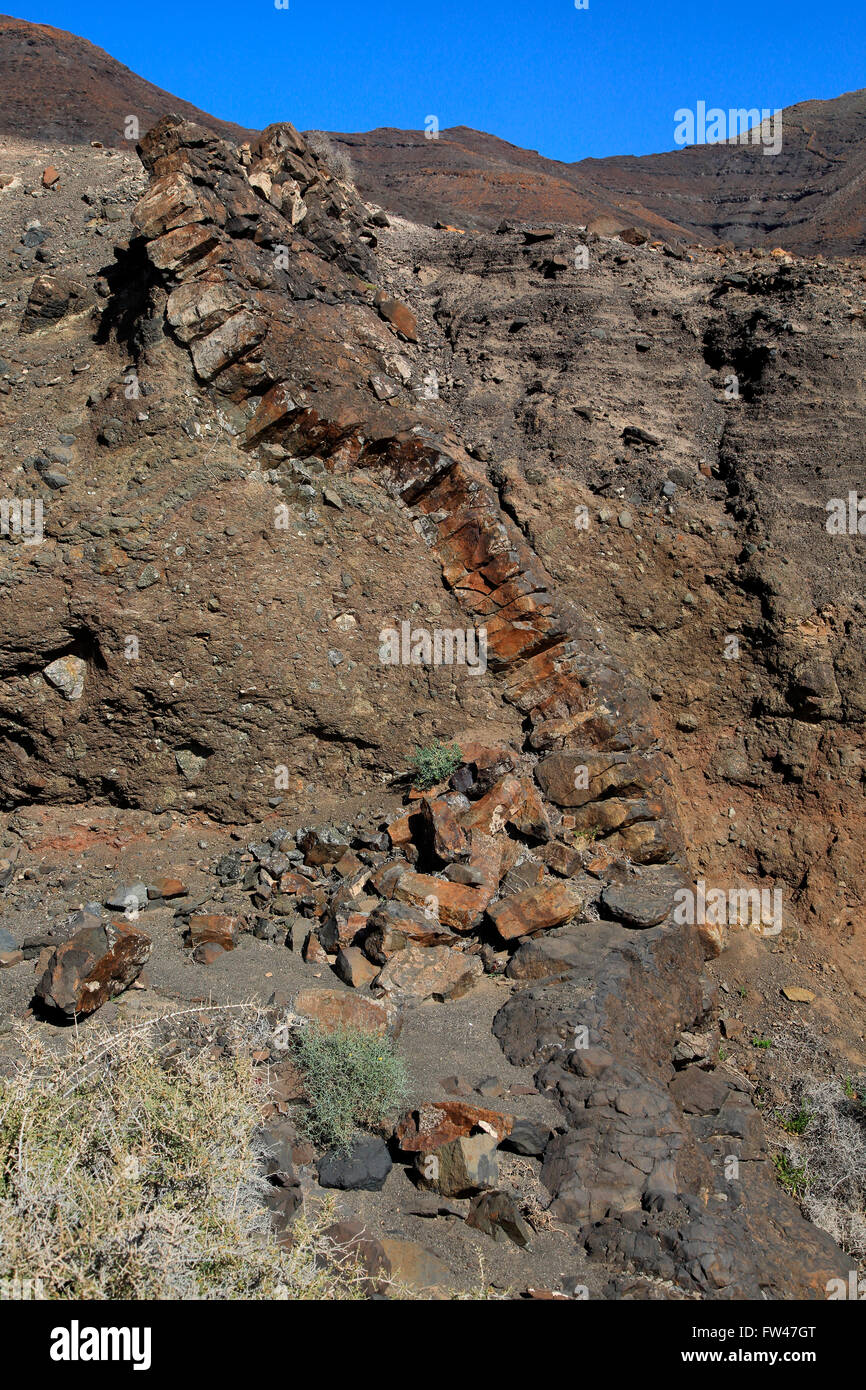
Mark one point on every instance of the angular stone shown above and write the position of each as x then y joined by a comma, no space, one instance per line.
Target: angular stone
393,925
365,1167
453,904
529,1138
460,1167
496,1214
353,967
447,840
181,248
577,778
51,298
215,926
540,958
399,317
438,1122
548,905
430,972
93,966
636,904
166,888
67,674
237,335
512,801
336,1008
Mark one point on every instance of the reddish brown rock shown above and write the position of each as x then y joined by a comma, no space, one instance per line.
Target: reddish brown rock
430,972
337,1008
399,317
50,177
394,925
166,888
536,909
511,801
439,1122
314,952
353,967
96,964
454,904
215,926
447,840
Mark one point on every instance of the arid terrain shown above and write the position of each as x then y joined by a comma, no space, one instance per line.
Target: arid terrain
253,424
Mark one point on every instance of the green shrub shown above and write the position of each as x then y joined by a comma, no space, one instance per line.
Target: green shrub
353,1080
435,764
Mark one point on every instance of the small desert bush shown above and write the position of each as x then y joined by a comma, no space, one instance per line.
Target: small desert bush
825,1152
353,1081
435,764
338,160
131,1171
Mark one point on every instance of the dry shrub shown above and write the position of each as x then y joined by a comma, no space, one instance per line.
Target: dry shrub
831,1147
337,159
127,1173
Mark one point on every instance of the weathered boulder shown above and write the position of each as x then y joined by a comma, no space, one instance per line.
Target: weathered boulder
95,965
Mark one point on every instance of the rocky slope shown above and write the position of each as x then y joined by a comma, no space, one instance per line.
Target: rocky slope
265,428
808,197
57,86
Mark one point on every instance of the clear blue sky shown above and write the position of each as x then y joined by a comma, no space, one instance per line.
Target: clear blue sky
541,74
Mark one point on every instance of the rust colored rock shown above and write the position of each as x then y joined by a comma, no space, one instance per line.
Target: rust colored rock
314,952
294,883
166,888
454,904
513,801
337,1008
50,177
439,1122
430,972
448,841
215,926
563,860
96,964
394,925
353,967
536,909
402,831
400,317
576,778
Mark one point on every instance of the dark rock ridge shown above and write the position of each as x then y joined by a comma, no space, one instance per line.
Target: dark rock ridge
642,1179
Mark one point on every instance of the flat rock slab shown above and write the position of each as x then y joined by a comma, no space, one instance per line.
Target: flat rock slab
419,1268
535,910
453,904
643,902
336,1008
430,972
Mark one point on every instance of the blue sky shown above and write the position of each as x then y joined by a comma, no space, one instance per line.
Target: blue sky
542,74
